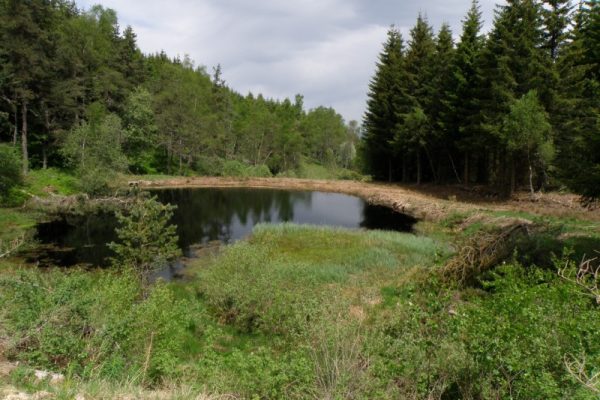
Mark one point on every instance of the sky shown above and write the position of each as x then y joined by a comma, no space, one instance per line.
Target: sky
325,50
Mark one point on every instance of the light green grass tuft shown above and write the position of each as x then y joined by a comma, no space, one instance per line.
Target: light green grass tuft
41,182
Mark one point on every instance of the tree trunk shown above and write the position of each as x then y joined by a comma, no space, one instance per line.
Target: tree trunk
454,167
513,176
24,139
45,142
16,130
530,175
435,175
390,169
180,157
169,153
466,169
418,166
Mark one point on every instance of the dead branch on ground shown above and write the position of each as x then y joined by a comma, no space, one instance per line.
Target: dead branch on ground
586,276
577,369
7,249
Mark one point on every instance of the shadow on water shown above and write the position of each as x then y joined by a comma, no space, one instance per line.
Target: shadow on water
205,216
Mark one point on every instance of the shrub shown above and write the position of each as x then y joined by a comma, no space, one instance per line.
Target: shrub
94,325
209,166
10,173
146,240
234,168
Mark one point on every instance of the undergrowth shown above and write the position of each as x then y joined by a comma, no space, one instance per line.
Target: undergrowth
310,312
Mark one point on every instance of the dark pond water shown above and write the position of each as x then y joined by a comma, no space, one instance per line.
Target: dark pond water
207,215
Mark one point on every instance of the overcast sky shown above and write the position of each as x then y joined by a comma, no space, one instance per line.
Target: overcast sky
323,49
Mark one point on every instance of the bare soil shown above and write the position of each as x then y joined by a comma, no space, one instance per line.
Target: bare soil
428,202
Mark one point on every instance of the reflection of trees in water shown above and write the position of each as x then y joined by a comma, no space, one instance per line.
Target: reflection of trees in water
380,217
77,239
210,214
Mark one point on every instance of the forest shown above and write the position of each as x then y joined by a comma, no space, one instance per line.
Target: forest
516,107
77,93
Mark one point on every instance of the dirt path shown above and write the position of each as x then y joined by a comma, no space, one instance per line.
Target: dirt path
424,202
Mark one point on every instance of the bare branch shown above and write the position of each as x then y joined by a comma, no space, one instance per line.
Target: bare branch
577,369
7,249
586,276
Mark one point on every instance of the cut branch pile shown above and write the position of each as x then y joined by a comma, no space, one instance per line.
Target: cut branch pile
482,252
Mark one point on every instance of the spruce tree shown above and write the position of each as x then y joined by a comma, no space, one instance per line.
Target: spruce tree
388,100
514,63
442,110
420,71
25,37
557,18
465,91
578,142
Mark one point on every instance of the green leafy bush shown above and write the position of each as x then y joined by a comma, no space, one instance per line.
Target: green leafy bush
11,172
508,340
94,325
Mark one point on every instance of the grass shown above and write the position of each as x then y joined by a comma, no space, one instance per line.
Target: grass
308,170
15,223
42,182
285,273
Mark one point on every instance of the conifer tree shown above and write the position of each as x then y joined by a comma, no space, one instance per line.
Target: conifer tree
557,18
465,91
388,100
25,37
420,71
442,112
578,142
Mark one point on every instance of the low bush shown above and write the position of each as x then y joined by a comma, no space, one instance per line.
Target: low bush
10,173
506,340
94,324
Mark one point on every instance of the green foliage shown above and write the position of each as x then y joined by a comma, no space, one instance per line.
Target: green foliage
467,97
42,182
82,72
508,340
142,135
10,175
94,149
14,223
526,126
93,324
146,240
388,99
238,169
534,319
526,129
578,115
296,311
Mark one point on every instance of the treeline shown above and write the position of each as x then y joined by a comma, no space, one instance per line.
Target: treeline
77,92
518,106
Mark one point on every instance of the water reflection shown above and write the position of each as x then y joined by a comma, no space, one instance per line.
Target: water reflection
206,215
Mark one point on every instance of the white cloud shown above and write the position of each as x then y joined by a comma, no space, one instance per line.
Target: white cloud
323,49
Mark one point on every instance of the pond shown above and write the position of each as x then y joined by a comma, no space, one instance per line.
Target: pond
204,216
